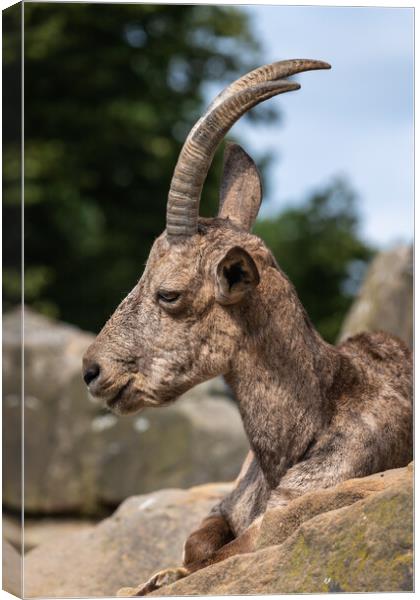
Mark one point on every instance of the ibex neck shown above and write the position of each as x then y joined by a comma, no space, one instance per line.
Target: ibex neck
281,376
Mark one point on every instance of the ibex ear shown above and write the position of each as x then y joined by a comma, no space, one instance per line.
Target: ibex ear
236,274
240,190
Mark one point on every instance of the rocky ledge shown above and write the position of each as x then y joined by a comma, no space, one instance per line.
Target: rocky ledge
356,537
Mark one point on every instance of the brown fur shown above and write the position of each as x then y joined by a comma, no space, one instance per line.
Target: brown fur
314,414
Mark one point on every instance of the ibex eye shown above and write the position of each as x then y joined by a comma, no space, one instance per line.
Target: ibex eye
168,296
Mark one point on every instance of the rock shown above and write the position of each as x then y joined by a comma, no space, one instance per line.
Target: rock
144,534
385,300
57,416
356,537
80,458
12,569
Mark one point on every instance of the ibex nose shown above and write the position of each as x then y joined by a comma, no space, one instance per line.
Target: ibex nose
91,372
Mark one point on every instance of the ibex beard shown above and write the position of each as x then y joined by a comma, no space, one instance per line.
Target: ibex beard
213,301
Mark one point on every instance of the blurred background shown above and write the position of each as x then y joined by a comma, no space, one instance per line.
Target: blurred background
111,92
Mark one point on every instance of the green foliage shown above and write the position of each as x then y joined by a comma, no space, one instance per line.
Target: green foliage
316,244
110,94
12,163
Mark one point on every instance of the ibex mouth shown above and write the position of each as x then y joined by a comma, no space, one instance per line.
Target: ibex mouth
112,402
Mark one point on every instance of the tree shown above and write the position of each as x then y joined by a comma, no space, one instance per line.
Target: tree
317,245
110,94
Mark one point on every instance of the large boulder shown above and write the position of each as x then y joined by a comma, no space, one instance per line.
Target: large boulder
385,300
57,416
356,537
80,458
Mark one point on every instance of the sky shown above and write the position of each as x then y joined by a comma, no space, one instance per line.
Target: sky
354,121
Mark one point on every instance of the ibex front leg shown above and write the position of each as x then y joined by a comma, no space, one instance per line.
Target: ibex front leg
213,533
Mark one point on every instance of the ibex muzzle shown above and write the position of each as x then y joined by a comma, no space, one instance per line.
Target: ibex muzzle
185,320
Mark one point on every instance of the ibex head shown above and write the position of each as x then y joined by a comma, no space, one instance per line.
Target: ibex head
199,294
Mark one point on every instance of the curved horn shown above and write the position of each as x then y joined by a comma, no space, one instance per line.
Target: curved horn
198,150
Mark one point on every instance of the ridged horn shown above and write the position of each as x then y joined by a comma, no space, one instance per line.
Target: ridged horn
198,150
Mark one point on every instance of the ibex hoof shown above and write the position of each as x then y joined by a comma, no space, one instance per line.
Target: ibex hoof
157,581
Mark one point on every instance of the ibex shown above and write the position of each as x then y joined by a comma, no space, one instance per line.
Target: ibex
213,301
